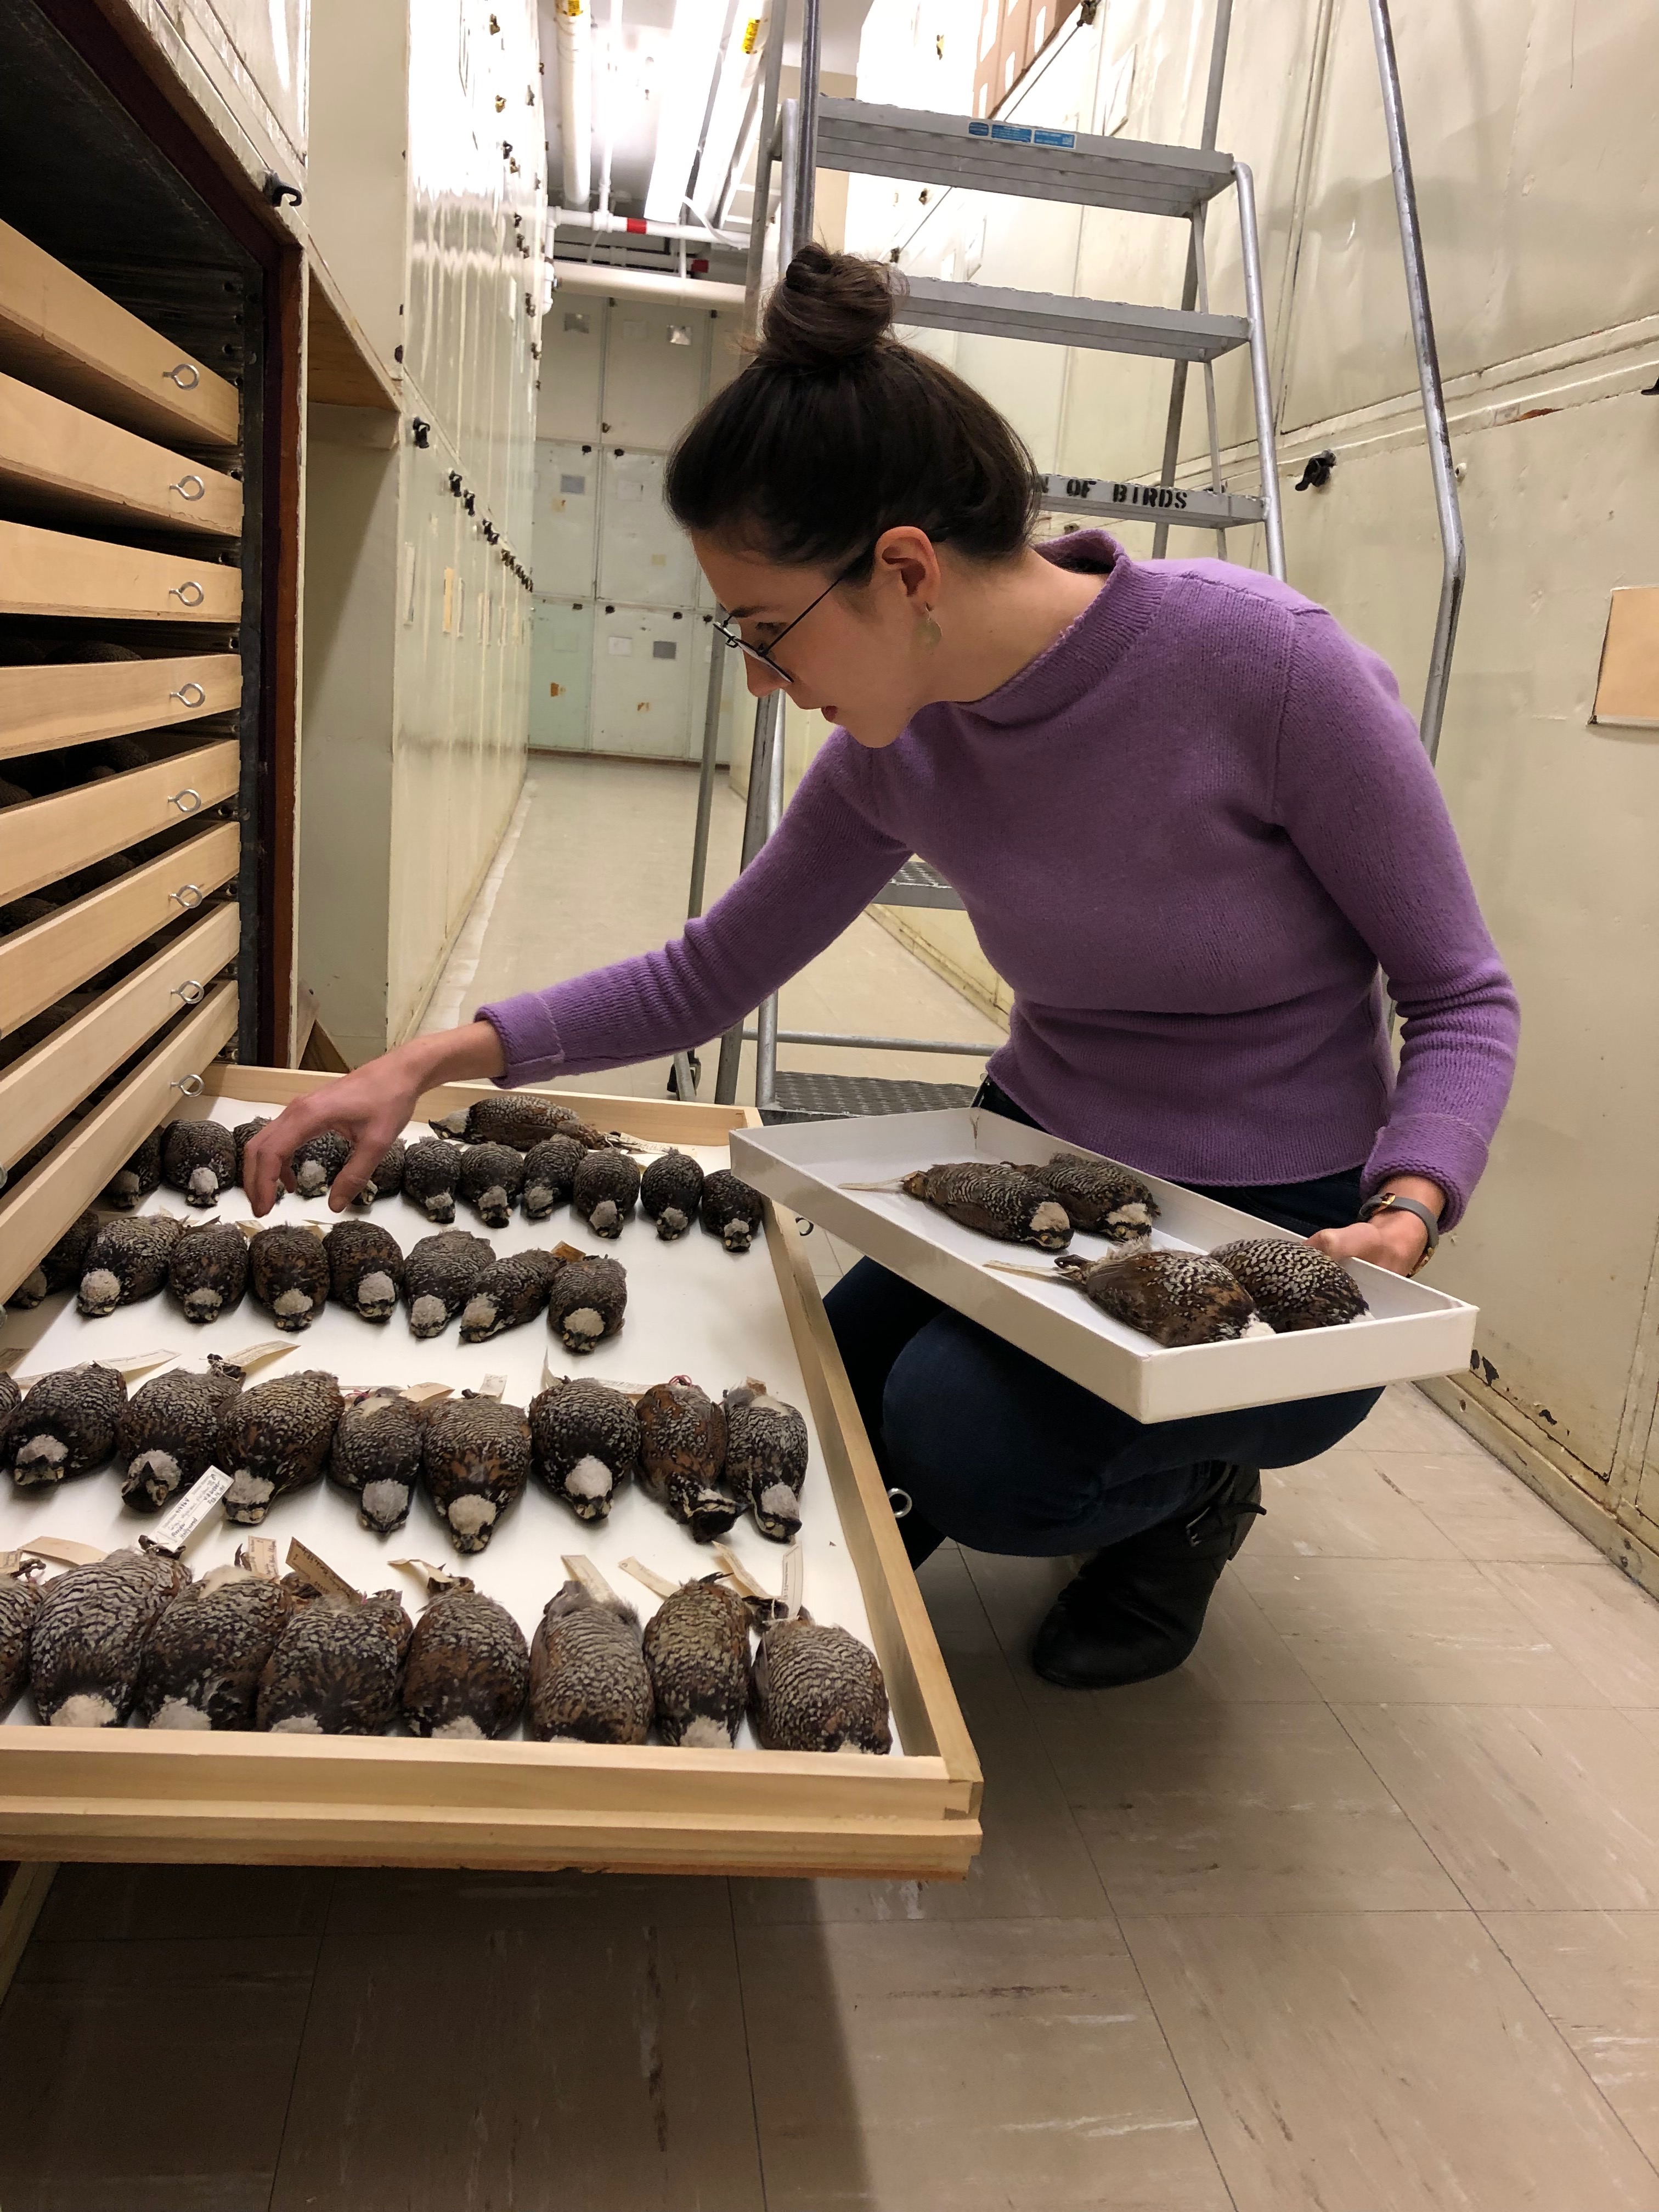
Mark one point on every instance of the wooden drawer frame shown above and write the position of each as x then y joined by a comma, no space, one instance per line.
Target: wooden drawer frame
45,708
73,466
47,571
50,838
385,1800
42,963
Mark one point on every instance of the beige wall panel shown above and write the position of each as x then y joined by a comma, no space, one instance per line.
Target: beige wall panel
358,194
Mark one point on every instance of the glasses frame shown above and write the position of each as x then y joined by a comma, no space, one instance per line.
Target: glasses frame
727,630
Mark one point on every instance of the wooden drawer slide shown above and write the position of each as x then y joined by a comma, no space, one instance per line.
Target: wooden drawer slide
62,462
39,965
73,703
49,838
47,572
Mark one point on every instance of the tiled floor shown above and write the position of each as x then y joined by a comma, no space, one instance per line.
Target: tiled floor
1359,1911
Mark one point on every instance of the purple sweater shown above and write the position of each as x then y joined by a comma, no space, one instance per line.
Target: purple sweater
1188,836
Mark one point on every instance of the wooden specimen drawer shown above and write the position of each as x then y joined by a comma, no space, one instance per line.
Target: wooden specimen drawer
73,702
47,572
61,333
49,838
40,964
58,461
39,1090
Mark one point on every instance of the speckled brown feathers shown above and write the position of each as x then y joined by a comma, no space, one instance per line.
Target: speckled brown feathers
603,1191
1173,1297
171,1430
127,1260
476,1460
376,1454
90,1632
468,1670
512,1292
440,1275
683,1456
335,1668
587,1301
585,1443
996,1201
1100,1199
518,1118
387,1179
587,1676
670,1191
207,1269
318,1161
276,1439
490,1178
200,1159
766,1452
817,1688
696,1652
730,1209
205,1655
365,1267
1294,1286
20,1602
130,1186
62,1268
66,1426
550,1174
288,1268
432,1168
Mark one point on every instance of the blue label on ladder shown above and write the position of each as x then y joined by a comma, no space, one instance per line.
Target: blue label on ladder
1062,138
1022,134
1012,134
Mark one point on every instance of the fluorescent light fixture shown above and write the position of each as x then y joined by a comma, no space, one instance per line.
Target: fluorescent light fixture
734,95
694,52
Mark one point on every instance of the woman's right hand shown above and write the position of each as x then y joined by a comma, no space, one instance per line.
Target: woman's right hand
371,1106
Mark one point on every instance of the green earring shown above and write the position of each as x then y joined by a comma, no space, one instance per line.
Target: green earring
928,632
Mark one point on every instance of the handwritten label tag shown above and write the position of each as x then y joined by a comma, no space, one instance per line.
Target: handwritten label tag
65,1551
318,1572
181,1522
492,1386
259,1556
427,1393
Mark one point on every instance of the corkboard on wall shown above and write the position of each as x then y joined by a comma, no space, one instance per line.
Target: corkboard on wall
1627,688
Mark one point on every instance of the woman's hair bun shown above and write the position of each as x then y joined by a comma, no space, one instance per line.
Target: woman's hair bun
828,309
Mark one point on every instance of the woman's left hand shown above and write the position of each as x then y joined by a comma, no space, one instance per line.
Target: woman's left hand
1391,1240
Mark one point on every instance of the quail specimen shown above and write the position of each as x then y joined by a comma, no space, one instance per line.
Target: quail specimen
90,1632
605,1191
20,1602
376,1453
127,1260
171,1430
585,1443
207,1270
467,1673
587,1677
765,1458
475,1459
205,1655
683,1456
1294,1286
11,1397
731,1210
519,1118
275,1439
550,1174
244,1134
336,1666
365,1267
997,1200
1099,1199
491,1176
440,1275
130,1186
66,1426
200,1159
387,1179
288,1269
696,1653
432,1168
1173,1297
318,1161
512,1292
817,1688
670,1191
587,1301
62,1268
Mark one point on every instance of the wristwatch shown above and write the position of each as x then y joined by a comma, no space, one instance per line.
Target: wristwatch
1392,1201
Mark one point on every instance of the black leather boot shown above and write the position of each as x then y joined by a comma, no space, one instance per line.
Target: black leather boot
1136,1609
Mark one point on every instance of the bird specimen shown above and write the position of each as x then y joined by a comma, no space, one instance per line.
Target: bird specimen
440,1275
66,1426
63,1267
603,1191
432,1168
670,1191
519,1118
816,1687
335,1669
207,1270
996,1199
508,1294
288,1269
129,1186
587,1674
491,1176
1294,1286
318,1160
200,1159
387,1179
697,1654
202,1665
467,1673
731,1210
682,1455
244,1134
588,1298
11,1397
89,1635
1173,1297
172,1428
1099,1199
765,1458
275,1439
550,1174
365,1267
476,1460
127,1260
585,1443
376,1453
20,1602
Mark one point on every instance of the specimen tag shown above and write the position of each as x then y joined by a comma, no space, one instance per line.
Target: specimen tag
65,1551
318,1572
570,1252
259,1556
492,1386
580,1569
794,1579
650,1577
261,1354
135,1363
181,1520
424,1393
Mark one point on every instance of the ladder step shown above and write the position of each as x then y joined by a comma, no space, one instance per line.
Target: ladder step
917,884
1104,499
1023,159
801,1097
1055,318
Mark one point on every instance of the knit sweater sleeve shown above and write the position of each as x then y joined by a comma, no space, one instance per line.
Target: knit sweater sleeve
1356,792
828,859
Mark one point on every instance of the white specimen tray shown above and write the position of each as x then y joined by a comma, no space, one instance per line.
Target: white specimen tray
693,1308
1410,1330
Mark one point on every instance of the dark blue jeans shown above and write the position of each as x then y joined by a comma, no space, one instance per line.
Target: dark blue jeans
1003,1454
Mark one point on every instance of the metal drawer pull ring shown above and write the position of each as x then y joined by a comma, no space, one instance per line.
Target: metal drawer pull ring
902,1503
184,375
188,895
180,798
191,1085
182,592
182,487
190,991
184,691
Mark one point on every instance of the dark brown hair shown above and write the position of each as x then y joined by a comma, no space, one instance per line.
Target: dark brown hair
835,431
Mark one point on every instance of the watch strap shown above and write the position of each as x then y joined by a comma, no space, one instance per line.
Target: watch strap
1394,1201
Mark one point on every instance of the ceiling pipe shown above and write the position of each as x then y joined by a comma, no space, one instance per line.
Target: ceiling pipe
576,39
608,120
594,278
600,219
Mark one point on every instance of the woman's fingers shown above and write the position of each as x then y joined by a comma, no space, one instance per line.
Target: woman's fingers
368,1149
266,1162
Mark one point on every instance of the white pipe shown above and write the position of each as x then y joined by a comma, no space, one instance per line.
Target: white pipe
612,47
576,99
601,219
593,277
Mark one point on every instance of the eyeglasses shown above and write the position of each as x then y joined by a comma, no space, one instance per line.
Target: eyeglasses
727,628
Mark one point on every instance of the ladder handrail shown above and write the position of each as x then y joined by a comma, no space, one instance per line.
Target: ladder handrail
1453,553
